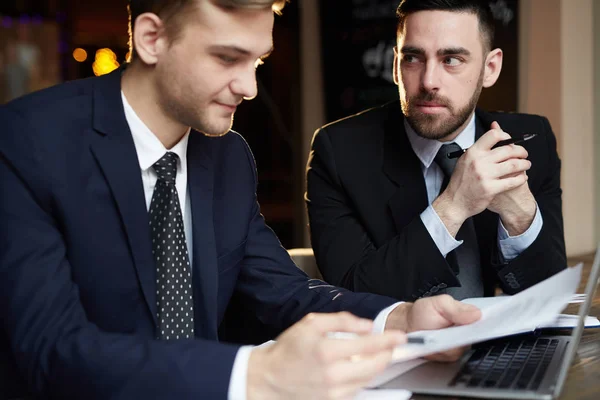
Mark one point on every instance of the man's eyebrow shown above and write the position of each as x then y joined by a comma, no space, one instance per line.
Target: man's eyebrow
412,50
453,51
450,51
239,50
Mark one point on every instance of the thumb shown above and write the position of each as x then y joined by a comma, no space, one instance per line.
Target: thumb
495,125
459,313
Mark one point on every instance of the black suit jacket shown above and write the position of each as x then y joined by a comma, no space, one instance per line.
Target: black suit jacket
366,191
77,276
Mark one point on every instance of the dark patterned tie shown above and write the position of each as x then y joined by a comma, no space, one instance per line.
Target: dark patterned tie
173,273
464,260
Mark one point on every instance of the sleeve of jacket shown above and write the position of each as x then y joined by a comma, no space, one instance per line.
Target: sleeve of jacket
546,255
406,267
57,349
277,291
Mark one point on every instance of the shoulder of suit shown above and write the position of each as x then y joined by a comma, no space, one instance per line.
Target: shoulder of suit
365,122
53,102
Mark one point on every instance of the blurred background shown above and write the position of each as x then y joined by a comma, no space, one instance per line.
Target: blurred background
334,58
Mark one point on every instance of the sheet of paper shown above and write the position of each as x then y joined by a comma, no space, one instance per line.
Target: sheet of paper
523,312
570,321
394,370
561,321
383,394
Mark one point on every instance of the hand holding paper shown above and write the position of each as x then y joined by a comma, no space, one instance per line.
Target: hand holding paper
523,312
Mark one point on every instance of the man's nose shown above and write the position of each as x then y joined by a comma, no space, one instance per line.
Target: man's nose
245,84
430,80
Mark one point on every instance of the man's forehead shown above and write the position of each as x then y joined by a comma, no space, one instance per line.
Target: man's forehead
440,28
244,30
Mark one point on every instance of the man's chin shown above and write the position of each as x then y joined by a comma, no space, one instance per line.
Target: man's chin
216,130
214,134
429,127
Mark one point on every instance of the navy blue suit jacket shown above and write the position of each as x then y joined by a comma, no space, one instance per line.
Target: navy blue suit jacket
77,276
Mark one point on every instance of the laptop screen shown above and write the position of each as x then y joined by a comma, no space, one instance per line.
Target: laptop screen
590,290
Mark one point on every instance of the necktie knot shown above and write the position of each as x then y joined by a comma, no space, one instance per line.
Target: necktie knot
166,167
447,164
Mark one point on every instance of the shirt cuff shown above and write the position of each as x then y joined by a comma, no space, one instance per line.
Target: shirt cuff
511,246
239,373
381,319
438,232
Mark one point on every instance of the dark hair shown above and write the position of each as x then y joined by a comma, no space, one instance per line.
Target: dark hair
172,11
480,8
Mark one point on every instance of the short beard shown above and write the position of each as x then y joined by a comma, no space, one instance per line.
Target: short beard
437,127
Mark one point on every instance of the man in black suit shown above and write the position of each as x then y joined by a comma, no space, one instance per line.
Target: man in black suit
129,220
391,213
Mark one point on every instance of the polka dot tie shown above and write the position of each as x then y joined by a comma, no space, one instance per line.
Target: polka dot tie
173,276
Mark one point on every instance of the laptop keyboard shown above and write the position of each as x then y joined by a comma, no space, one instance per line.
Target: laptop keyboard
519,364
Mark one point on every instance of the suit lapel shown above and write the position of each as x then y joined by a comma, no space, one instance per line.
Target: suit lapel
403,168
200,184
113,148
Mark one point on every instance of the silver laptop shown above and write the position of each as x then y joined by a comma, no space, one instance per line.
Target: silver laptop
526,366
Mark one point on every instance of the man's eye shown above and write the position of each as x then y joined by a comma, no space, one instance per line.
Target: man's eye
409,59
452,61
227,59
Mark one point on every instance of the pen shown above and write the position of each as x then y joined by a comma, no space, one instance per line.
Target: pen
350,335
514,140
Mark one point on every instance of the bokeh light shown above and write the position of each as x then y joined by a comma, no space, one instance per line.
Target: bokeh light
105,62
80,55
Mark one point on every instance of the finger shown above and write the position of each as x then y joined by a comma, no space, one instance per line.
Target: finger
346,392
510,167
456,312
503,153
512,175
490,138
496,125
364,346
360,371
448,356
337,322
508,183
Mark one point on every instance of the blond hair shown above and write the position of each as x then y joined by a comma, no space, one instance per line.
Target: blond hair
169,10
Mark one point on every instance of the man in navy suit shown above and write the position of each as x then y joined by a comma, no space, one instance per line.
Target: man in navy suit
129,219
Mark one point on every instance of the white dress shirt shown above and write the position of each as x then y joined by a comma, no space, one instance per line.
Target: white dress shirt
426,150
149,150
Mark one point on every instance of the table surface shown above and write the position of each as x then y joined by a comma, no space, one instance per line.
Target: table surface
583,380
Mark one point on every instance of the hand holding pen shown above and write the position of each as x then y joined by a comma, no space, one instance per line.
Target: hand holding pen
482,173
516,139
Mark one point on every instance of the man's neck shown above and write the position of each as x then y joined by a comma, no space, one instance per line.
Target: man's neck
136,84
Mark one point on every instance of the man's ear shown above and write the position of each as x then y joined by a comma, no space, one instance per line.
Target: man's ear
149,37
396,65
492,68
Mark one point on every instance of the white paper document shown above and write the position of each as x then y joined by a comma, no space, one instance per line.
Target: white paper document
522,312
384,394
561,320
394,370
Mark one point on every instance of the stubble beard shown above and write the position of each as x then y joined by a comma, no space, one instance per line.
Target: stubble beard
437,126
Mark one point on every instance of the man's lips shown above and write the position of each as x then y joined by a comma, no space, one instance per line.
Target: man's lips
429,104
430,108
230,107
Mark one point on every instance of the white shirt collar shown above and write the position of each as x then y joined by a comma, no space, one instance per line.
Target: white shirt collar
426,149
148,147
